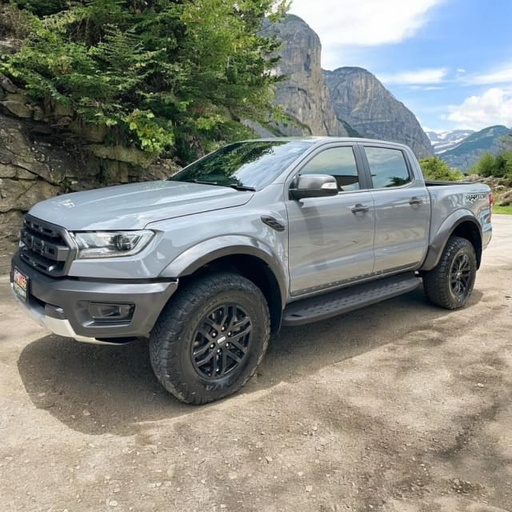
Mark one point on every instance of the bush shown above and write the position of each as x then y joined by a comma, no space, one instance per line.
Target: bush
499,166
435,169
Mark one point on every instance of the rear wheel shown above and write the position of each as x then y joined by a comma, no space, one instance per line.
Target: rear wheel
451,282
210,339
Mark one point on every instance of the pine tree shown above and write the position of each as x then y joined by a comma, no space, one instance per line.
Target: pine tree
164,75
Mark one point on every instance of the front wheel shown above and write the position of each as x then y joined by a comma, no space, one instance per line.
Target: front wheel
210,339
451,282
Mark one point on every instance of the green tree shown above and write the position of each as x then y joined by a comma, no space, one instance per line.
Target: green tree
499,166
436,169
162,74
485,165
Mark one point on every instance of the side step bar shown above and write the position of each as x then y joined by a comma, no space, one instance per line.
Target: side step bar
348,299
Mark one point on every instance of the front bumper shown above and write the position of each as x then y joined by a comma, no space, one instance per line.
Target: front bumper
63,304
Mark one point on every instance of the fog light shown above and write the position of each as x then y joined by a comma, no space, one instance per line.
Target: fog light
102,311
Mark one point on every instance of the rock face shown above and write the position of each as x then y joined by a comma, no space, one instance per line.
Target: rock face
370,109
37,163
304,95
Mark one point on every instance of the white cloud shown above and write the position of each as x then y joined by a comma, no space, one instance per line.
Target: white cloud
494,106
501,75
362,22
416,77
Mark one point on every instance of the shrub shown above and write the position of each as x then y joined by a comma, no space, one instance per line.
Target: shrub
163,74
435,169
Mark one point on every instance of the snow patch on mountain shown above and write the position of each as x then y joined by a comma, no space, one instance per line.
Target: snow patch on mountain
444,141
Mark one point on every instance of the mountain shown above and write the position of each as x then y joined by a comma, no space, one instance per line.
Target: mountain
466,154
370,109
346,102
444,141
304,94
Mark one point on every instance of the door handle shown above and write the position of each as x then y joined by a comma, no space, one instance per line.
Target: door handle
360,208
416,201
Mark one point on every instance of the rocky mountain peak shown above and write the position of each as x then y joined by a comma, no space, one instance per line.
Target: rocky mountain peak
361,100
304,94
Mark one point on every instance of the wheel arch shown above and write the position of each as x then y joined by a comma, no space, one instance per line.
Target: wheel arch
255,262
463,226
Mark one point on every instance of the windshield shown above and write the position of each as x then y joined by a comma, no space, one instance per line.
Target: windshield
250,165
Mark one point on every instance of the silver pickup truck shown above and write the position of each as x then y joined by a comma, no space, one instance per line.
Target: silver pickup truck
258,234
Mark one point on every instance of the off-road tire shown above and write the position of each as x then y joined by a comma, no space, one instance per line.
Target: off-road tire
451,282
189,325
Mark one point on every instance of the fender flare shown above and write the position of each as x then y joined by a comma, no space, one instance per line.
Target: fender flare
440,239
199,255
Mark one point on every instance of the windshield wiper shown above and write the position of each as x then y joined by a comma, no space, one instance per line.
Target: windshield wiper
231,185
242,188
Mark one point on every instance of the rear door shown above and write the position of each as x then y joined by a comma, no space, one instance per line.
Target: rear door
331,238
402,210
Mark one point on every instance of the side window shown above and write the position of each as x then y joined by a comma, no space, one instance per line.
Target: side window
388,167
338,162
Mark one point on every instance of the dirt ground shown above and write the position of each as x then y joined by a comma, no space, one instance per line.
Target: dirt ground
398,407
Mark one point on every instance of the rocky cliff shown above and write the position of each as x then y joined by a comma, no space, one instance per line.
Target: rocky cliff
370,109
304,94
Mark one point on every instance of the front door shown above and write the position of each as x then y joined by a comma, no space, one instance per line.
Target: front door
331,238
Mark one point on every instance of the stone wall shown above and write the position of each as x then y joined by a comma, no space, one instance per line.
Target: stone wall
45,151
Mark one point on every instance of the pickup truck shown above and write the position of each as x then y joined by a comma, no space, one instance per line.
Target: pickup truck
258,234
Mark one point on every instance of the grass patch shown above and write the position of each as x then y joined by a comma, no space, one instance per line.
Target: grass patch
503,209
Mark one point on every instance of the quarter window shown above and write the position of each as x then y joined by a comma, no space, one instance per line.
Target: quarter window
338,162
388,167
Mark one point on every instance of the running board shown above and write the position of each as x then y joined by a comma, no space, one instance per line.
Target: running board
348,299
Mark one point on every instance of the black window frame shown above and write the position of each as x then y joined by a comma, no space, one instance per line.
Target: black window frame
367,167
364,182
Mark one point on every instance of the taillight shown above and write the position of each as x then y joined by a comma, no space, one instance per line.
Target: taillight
491,199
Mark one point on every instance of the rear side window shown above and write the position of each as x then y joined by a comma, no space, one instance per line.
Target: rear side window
388,167
338,162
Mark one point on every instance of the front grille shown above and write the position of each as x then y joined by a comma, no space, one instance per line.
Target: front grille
44,247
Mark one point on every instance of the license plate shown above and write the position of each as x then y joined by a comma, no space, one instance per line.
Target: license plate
20,284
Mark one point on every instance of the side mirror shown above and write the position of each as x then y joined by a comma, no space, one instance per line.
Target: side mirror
314,185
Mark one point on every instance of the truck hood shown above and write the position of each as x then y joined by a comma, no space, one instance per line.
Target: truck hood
135,205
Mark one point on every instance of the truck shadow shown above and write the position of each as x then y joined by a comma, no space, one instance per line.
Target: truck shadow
97,389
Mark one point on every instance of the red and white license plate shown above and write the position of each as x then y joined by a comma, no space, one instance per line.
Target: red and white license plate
20,284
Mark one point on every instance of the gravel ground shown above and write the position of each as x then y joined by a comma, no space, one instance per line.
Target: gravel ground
398,407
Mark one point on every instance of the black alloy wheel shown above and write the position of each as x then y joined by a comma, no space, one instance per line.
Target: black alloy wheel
461,275
222,342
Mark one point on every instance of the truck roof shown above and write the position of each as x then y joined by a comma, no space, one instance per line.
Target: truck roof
324,139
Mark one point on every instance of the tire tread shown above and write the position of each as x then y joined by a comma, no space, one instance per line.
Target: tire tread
436,281
165,338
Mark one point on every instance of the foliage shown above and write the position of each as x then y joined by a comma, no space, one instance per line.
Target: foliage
435,169
499,166
163,74
41,7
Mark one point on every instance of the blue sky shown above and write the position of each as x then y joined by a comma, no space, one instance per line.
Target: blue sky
449,61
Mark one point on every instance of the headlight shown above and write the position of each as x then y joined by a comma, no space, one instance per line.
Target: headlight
111,244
